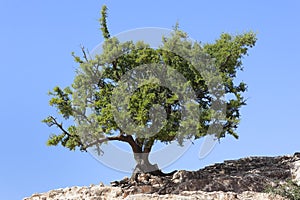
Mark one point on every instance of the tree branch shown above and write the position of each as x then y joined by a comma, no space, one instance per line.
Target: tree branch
103,24
226,61
84,53
148,146
122,138
139,141
82,115
114,64
60,126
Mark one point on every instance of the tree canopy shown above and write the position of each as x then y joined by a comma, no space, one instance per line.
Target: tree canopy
137,94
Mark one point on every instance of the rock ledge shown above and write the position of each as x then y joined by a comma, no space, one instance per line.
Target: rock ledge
245,178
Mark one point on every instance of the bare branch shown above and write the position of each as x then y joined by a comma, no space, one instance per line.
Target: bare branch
148,146
59,125
121,137
84,53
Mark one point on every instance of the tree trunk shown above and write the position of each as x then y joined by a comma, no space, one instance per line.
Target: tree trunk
141,156
144,166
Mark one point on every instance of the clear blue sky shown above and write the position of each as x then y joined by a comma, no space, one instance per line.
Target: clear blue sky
37,38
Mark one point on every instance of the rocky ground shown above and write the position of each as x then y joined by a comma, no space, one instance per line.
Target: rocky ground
246,178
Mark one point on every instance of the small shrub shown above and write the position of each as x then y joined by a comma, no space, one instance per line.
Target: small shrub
289,190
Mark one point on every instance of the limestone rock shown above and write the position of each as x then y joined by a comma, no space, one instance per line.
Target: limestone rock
295,169
245,178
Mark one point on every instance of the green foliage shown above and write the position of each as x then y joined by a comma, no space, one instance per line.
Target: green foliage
289,190
102,21
68,138
62,101
228,52
88,99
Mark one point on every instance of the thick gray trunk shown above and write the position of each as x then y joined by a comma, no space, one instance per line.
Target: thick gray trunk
144,166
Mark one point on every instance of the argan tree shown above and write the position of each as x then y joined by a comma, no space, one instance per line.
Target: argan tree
112,98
